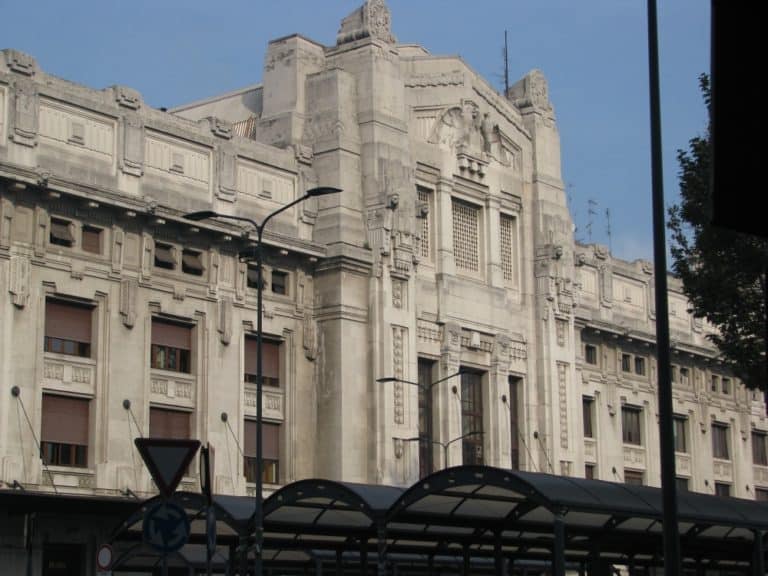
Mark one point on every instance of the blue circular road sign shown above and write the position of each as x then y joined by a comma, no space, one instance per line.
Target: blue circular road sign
166,527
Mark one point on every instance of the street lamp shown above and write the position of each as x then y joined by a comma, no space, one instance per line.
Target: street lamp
258,516
426,391
444,445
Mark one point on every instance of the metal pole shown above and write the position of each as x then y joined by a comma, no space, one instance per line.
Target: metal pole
258,512
558,550
667,443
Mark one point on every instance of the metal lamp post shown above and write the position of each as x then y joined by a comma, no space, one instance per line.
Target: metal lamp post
258,516
443,445
427,389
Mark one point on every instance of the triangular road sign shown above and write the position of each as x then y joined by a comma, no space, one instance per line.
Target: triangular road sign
166,460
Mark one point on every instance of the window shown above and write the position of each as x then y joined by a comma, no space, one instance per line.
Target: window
633,478
64,431
192,262
590,354
252,277
425,199
589,471
626,363
61,233
169,424
466,236
726,385
720,441
640,365
515,391
714,383
588,405
270,451
630,425
426,369
472,417
722,489
685,376
91,239
270,361
68,328
165,256
507,232
759,448
761,494
681,484
279,282
171,346
679,425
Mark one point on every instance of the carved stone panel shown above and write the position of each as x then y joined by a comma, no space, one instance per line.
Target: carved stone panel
399,362
25,113
562,387
18,281
133,145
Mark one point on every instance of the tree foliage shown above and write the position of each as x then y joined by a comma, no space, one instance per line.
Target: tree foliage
723,271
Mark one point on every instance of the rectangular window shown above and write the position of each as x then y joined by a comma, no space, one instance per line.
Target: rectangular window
270,450
61,233
640,365
633,478
714,384
759,448
426,371
685,376
630,425
91,239
270,361
626,363
515,401
722,489
279,282
726,385
192,262
252,277
171,346
761,494
589,471
588,405
681,484
165,256
425,199
590,354
68,328
720,441
466,236
472,417
169,424
679,425
64,431
507,232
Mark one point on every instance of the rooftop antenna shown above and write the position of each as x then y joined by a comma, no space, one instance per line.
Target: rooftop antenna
591,211
506,65
608,229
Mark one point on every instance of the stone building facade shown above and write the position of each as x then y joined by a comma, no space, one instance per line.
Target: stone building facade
450,249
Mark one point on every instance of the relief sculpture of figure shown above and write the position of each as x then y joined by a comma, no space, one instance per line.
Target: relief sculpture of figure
486,130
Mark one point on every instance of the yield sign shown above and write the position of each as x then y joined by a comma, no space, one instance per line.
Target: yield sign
166,460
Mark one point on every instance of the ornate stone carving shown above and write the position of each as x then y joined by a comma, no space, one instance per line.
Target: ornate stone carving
562,386
6,221
20,62
226,160
372,20
531,91
427,331
220,128
133,145
400,293
18,282
399,361
128,291
159,386
429,79
127,97
24,115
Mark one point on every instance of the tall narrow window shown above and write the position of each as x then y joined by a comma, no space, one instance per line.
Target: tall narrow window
626,363
589,471
472,417
171,346
630,425
68,328
590,354
61,233
64,431
425,199
466,236
515,390
726,388
91,239
720,441
270,361
640,365
679,424
426,368
507,233
588,405
252,277
279,282
270,449
759,448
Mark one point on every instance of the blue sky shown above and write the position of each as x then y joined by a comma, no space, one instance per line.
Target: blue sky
594,54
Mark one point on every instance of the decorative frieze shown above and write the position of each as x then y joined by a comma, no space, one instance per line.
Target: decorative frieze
77,129
722,470
428,331
562,385
634,457
178,389
272,402
69,373
399,361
